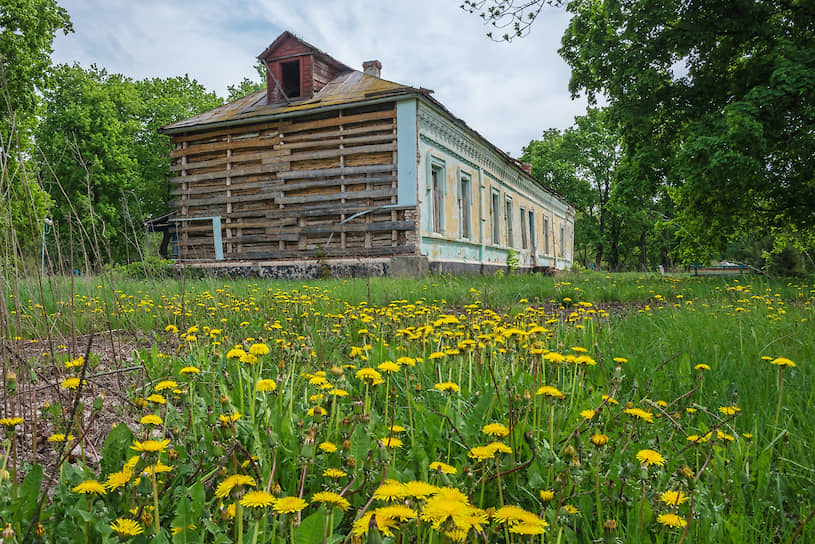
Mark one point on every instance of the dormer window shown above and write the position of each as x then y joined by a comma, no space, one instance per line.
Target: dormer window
291,78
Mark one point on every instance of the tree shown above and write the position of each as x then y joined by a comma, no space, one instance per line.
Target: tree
247,86
106,165
715,105
27,29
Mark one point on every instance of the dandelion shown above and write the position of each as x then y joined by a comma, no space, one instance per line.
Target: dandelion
391,442
481,453
673,498
782,362
235,353
331,499
151,419
236,480
671,520
327,447
444,468
70,383
157,399
75,363
447,387
172,329
639,413
126,527
650,457
150,446
257,499
495,429
599,439
397,429
258,349
118,479
389,367
546,495
370,376
390,490
10,422
702,366
729,410
588,414
550,391
289,505
189,370
249,359
419,489
90,487
334,473
58,437
266,386
164,385
620,360
571,509
228,419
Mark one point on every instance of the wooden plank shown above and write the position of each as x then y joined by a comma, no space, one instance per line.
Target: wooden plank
335,142
330,153
339,171
349,253
325,197
346,120
331,181
309,136
193,203
279,151
206,134
272,184
219,174
223,146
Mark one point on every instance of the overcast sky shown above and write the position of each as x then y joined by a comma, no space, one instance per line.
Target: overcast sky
510,93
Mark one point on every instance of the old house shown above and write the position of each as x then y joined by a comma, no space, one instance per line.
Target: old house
333,167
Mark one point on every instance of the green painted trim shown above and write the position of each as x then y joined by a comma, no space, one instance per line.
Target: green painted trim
406,148
444,148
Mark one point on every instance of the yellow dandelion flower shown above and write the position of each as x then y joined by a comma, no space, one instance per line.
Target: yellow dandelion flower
369,375
389,367
327,447
10,422
495,429
599,439
150,446
334,473
640,414
164,385
671,520
118,479
289,505
151,419
229,418
447,387
236,480
266,386
257,499
58,437
189,370
444,468
331,499
587,414
235,353
702,366
258,349
546,495
157,399
420,490
782,362
650,457
126,527
391,442
550,391
390,490
172,329
70,383
673,498
481,453
90,487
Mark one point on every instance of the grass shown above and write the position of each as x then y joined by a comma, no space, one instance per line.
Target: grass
532,356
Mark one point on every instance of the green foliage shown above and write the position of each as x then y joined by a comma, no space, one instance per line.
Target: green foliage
27,28
104,163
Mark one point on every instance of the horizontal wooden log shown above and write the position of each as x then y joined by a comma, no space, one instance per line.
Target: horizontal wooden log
222,188
335,142
345,120
347,195
345,132
333,182
350,253
262,141
222,174
330,153
339,171
221,200
193,136
236,158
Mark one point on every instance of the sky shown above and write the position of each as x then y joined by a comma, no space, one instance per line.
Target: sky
508,92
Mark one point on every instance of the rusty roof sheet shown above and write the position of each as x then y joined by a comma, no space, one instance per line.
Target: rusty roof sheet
346,88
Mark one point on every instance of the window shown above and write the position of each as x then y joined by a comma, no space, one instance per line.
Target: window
496,218
532,230
437,196
290,76
545,235
562,240
465,205
524,242
508,220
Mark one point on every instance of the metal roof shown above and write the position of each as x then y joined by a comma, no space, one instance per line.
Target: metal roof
346,88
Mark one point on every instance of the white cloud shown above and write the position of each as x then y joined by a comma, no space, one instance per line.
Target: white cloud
510,93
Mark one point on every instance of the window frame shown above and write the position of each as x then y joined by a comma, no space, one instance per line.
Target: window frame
465,205
524,236
508,220
495,212
436,185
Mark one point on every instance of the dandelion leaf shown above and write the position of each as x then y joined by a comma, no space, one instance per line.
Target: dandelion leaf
116,448
312,529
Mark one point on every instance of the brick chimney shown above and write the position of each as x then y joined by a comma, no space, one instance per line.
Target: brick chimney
527,167
372,67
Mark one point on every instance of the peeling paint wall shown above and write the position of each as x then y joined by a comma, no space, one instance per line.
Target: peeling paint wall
455,154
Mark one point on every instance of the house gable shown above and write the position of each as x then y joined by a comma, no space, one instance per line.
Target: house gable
296,70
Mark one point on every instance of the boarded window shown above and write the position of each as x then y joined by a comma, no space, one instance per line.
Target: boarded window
508,220
465,205
532,229
524,241
562,240
496,218
437,194
545,235
290,72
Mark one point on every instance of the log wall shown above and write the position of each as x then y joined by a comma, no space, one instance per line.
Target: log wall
283,189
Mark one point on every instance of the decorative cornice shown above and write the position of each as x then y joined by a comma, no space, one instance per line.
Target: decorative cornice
435,129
